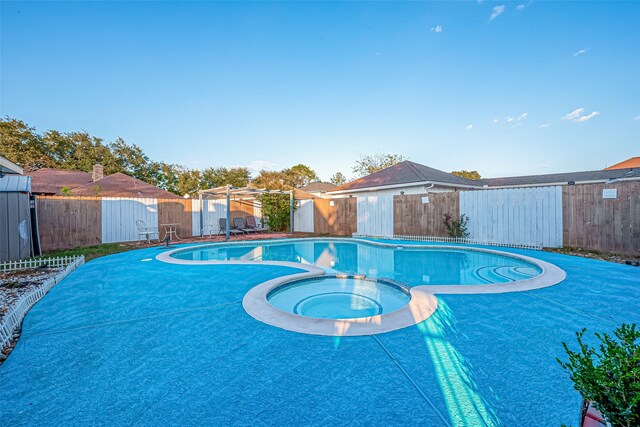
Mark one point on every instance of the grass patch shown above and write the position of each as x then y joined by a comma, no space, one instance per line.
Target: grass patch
595,254
91,252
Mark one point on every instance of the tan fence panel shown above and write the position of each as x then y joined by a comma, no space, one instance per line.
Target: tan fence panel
176,211
413,217
339,219
242,209
66,222
607,224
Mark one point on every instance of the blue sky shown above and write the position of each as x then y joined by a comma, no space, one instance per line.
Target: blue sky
506,88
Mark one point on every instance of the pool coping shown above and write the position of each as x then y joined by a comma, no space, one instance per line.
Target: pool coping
423,302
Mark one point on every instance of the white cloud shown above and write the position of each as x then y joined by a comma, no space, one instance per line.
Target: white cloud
578,117
509,119
437,29
496,120
636,118
587,117
544,125
523,5
580,52
516,125
258,165
497,11
469,127
522,116
574,114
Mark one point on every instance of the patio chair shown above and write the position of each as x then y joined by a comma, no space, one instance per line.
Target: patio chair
209,229
238,224
222,227
251,223
143,230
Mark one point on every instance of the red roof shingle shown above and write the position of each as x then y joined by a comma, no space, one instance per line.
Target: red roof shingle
52,181
404,173
121,185
633,162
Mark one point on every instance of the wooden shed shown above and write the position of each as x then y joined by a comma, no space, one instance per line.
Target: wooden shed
15,218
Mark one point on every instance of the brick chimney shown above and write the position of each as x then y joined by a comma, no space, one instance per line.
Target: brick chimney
98,172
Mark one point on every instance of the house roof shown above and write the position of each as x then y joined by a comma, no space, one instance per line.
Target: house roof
8,167
318,187
51,181
404,173
121,185
15,184
300,194
632,162
409,172
561,178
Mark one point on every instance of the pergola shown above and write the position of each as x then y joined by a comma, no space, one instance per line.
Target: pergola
229,193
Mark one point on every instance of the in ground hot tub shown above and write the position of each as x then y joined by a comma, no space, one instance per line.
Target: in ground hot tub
334,297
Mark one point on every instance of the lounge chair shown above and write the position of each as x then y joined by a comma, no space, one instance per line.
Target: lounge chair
222,227
143,230
238,224
251,223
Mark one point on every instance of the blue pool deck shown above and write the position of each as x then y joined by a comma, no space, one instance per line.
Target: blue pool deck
123,341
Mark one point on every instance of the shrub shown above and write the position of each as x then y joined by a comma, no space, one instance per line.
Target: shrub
609,375
458,227
275,210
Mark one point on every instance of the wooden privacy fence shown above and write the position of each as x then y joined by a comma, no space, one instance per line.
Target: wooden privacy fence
602,216
66,222
530,216
594,216
335,216
423,214
70,222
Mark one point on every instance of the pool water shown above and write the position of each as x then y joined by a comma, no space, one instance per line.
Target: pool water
427,266
339,298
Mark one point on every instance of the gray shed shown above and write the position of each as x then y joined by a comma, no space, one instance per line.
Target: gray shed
15,218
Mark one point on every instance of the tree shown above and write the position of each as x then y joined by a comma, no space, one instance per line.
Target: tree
286,179
467,174
22,145
272,180
217,177
366,165
300,175
189,182
338,179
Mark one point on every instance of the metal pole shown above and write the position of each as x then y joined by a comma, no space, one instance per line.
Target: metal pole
226,239
202,216
291,211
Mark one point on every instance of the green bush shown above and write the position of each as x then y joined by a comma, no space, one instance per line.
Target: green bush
609,375
275,211
458,227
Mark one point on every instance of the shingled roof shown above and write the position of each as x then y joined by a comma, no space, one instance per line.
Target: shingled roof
561,178
409,172
121,185
317,187
405,173
633,162
52,181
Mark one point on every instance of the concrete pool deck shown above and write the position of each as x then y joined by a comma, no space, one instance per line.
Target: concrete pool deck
126,342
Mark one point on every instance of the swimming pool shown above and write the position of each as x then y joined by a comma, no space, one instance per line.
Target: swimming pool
407,264
336,297
422,269
129,340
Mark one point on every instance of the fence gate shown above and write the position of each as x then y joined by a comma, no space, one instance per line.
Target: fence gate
530,216
375,215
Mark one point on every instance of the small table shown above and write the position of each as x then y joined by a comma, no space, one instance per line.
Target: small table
171,230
